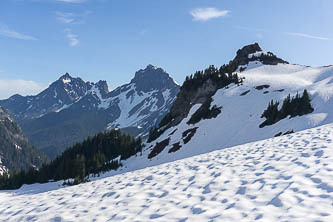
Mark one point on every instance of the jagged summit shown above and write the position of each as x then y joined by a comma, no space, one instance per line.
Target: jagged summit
243,53
65,76
149,72
71,109
151,78
254,52
102,86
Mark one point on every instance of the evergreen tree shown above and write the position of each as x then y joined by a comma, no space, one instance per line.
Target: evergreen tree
296,106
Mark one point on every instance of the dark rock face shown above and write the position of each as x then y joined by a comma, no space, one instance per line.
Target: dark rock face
71,109
242,56
152,78
185,100
102,86
15,151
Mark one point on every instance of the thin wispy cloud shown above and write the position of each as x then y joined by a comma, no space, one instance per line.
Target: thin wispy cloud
297,34
65,17
5,31
307,36
9,87
205,14
73,39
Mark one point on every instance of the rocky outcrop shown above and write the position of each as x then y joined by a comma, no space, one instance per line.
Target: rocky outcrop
253,52
242,56
185,100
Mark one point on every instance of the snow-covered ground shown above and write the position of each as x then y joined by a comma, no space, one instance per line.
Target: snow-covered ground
242,107
287,178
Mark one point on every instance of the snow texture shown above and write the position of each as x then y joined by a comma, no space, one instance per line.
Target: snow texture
287,178
240,115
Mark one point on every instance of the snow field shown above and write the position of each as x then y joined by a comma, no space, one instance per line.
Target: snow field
288,178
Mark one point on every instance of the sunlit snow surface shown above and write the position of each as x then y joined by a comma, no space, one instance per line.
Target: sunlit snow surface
288,178
240,117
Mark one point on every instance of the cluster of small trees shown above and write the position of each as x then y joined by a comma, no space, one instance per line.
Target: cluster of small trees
295,106
221,77
94,155
268,59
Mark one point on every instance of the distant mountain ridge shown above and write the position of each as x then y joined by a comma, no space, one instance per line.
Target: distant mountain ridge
59,95
70,109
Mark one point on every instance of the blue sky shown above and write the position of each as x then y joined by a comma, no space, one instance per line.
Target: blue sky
110,39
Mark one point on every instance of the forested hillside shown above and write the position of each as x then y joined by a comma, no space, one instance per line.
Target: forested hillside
98,154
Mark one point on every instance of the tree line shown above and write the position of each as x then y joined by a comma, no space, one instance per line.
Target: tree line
222,77
100,153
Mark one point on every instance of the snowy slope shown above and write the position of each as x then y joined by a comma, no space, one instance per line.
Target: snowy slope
239,120
144,101
287,178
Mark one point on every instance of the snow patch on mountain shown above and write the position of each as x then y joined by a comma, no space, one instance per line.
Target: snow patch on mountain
256,54
2,168
127,103
66,80
17,146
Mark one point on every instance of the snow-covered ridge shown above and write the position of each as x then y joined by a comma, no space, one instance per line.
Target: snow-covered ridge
69,102
68,91
242,107
287,178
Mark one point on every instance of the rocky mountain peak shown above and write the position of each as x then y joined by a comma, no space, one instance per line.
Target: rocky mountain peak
253,52
101,86
66,76
151,78
67,79
247,50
